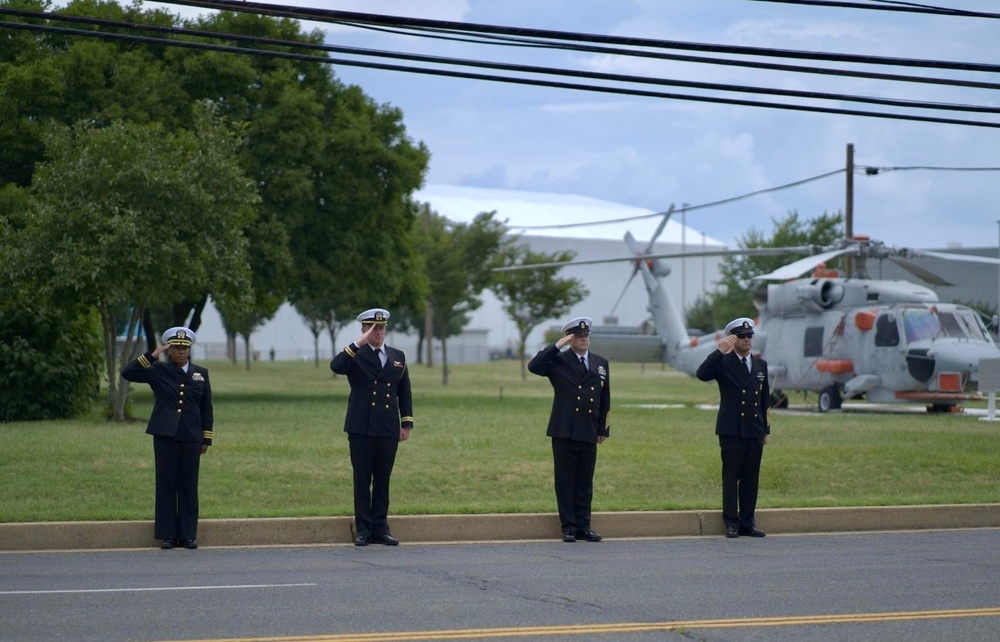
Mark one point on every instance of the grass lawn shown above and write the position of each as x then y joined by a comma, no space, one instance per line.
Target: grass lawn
479,446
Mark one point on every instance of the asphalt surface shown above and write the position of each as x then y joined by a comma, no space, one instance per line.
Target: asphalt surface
885,586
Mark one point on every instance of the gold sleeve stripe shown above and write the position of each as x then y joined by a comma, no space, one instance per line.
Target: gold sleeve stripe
143,361
208,434
410,419
349,352
607,420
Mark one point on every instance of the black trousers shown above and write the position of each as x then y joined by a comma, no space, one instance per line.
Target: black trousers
372,459
177,464
574,463
740,474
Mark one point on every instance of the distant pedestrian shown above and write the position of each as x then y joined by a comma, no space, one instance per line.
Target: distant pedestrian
272,353
743,423
379,416
580,420
181,424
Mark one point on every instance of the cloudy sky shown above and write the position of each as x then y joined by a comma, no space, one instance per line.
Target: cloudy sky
654,152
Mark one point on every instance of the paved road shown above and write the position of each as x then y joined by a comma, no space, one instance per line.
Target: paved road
932,585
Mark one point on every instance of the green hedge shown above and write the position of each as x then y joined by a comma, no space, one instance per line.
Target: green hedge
50,361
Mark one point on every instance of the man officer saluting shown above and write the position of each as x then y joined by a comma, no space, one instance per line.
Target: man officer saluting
379,416
579,421
743,423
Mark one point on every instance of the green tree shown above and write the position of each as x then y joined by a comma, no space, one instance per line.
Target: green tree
734,296
458,259
333,168
530,297
33,384
320,316
130,216
358,235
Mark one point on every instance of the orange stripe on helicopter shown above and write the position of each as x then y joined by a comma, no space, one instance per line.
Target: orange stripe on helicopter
835,366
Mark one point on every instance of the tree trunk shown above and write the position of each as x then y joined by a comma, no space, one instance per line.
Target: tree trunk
524,361
149,330
246,345
118,387
444,355
429,333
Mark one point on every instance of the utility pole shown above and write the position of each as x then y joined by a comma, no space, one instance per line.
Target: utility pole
684,209
849,207
429,312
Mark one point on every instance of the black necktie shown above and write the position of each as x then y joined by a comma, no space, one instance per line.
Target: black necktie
583,362
743,360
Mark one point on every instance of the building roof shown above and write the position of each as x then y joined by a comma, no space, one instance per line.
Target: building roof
530,212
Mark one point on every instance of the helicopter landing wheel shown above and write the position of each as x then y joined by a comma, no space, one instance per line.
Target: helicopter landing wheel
829,399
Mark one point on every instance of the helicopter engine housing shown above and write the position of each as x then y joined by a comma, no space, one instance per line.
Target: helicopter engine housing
813,296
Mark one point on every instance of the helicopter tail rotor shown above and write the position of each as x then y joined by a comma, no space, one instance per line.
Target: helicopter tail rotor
654,266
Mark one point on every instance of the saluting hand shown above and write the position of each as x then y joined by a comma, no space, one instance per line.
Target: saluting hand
727,343
363,339
159,350
566,338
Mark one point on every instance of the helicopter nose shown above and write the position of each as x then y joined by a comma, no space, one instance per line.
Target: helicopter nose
952,364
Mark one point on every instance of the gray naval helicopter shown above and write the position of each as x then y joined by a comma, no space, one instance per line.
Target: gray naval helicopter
842,337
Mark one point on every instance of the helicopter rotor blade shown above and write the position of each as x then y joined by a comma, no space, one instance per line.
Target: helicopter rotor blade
659,228
919,272
796,268
753,251
624,289
959,257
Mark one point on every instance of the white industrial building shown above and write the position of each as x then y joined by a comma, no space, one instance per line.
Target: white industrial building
532,216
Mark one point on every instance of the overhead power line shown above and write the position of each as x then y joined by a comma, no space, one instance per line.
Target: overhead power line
520,42
688,208
513,41
890,5
349,17
867,169
531,69
504,79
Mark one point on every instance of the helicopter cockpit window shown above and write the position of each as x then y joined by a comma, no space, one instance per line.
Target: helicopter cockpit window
952,327
973,325
886,332
920,325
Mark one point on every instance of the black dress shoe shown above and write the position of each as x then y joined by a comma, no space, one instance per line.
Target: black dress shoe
167,544
732,531
386,539
753,531
589,535
188,543
569,536
362,539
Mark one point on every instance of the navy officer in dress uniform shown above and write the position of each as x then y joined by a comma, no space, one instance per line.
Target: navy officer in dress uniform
379,416
181,426
579,421
743,423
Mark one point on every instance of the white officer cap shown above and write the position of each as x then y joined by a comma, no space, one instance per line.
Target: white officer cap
579,325
178,336
377,316
743,325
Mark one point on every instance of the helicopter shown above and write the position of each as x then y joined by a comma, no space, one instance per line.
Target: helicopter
842,337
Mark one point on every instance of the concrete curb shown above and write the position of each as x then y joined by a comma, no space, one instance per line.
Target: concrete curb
45,536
